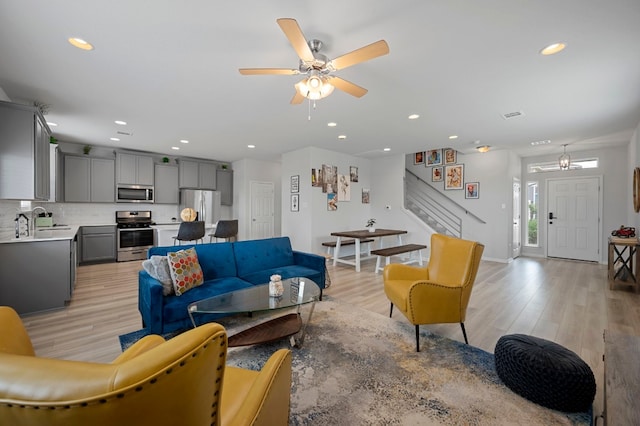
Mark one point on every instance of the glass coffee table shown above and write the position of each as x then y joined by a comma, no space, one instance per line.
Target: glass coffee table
298,291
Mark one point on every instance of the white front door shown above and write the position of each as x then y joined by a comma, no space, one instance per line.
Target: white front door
517,208
573,218
262,210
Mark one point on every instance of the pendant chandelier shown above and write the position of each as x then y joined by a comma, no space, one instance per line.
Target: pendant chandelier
564,161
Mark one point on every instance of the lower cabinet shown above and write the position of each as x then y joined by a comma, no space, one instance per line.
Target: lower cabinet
42,275
97,244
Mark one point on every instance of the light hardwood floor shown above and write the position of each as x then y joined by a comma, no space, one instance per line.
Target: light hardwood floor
564,301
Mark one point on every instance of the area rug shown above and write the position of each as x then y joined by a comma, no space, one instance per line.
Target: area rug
360,368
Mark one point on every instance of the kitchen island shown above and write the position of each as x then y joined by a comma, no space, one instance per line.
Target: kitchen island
38,272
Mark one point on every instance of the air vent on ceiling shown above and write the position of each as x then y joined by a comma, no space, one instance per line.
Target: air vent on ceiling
124,133
514,114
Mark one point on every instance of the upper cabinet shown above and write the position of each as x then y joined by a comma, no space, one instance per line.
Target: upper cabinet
166,184
224,181
88,180
134,169
197,174
24,153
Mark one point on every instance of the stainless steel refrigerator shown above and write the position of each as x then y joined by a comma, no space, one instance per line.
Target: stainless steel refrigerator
205,203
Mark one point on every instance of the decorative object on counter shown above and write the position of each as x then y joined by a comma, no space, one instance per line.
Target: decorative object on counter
624,232
53,140
165,159
275,286
22,225
86,149
188,214
371,225
224,166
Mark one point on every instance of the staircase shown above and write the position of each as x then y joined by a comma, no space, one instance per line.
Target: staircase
435,209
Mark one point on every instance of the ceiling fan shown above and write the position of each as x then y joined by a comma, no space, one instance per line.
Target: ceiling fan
319,81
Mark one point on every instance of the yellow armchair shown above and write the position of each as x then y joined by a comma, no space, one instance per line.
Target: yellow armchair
182,381
440,292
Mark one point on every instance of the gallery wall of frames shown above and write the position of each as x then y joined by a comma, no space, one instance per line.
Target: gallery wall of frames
445,169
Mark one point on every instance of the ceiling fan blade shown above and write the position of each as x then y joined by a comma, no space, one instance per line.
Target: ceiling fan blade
348,87
297,98
363,54
268,71
293,32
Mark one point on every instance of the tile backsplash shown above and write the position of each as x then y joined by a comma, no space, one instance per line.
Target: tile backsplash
80,213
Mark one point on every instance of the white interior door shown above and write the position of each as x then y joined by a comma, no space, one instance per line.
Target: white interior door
573,218
262,210
517,209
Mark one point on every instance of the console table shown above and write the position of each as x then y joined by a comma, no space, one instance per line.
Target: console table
623,253
621,379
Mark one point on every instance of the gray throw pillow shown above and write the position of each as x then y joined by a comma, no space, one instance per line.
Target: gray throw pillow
158,268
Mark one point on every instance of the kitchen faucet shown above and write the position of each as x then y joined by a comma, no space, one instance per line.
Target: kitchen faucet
33,218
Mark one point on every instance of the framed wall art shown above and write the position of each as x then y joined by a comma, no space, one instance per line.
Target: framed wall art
436,174
418,158
450,155
295,202
453,176
434,157
353,173
472,190
295,183
365,196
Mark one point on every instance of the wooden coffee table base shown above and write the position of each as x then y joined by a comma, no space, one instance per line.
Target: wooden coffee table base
274,329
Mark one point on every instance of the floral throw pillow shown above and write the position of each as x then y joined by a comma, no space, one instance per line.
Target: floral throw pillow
185,270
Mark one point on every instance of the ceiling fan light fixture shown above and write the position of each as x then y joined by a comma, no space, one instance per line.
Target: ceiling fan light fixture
483,148
315,87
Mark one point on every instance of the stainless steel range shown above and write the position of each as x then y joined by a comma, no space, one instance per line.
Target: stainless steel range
135,234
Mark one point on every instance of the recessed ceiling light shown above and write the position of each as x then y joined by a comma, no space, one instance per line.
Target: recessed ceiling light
414,116
342,137
251,146
177,148
453,137
184,141
80,43
552,49
120,122
52,124
387,149
114,139
332,124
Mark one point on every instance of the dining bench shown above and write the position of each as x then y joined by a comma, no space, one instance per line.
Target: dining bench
332,244
387,252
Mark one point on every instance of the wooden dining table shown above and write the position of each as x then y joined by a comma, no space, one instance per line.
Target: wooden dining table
362,235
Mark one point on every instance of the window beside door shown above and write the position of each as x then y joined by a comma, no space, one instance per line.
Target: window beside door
533,206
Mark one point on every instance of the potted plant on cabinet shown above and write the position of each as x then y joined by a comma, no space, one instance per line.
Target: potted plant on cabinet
371,224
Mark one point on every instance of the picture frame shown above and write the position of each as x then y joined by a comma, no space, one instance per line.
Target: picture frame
295,202
353,173
454,177
472,190
366,196
434,157
450,156
418,158
436,174
332,201
295,183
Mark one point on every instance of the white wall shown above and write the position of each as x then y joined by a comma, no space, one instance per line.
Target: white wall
616,181
633,161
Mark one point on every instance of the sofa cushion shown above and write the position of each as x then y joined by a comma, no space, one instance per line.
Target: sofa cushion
175,308
262,277
158,268
216,260
260,255
185,270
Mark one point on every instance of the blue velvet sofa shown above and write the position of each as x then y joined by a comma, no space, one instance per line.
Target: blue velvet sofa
226,267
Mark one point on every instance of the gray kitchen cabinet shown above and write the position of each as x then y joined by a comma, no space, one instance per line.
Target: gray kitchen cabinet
134,169
197,174
98,244
88,180
224,184
24,153
166,184
47,285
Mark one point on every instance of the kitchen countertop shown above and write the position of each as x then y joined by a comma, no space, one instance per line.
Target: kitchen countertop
67,232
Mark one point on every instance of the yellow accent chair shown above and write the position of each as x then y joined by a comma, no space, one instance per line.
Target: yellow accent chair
440,292
181,381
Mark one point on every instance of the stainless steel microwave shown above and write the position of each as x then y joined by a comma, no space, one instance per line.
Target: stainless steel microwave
134,194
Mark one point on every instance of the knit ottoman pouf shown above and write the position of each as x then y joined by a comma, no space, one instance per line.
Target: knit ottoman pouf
545,373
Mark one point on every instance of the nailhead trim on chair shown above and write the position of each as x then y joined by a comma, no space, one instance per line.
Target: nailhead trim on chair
139,388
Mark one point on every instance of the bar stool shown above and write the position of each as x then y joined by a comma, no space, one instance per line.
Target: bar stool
226,229
190,231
